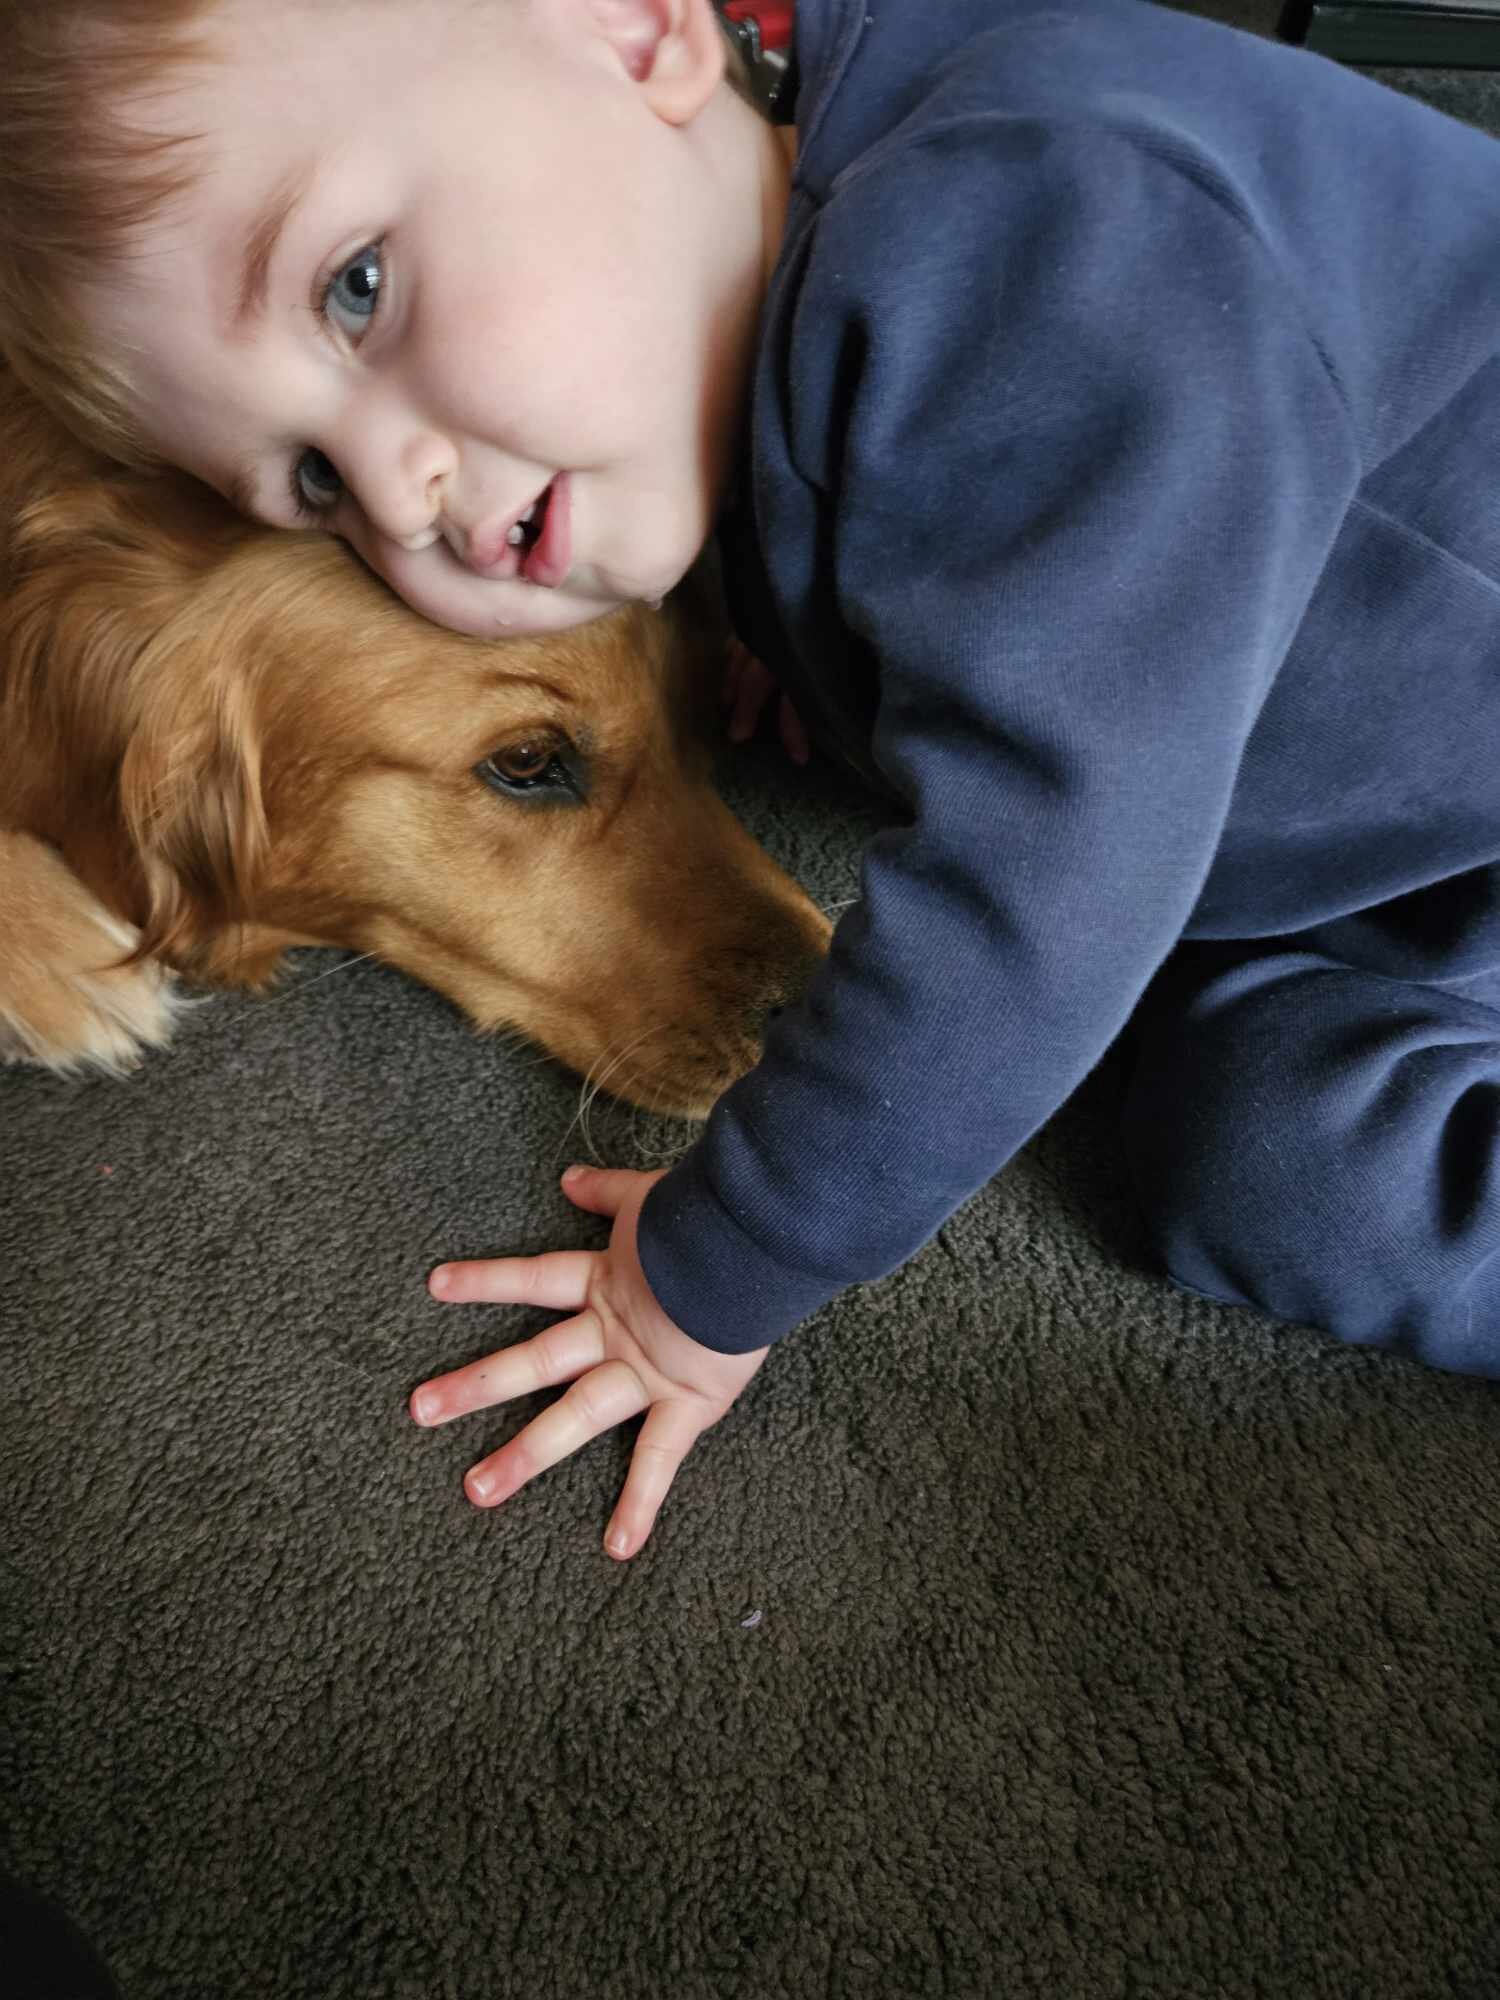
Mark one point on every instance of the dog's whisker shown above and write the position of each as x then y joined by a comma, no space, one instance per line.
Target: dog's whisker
619,1057
317,979
242,1023
590,1094
509,1041
579,1120
636,1138
599,1072
652,1137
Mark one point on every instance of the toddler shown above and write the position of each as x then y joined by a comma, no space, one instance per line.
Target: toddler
1100,410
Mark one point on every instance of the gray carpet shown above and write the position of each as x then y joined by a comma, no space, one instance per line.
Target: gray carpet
1028,1629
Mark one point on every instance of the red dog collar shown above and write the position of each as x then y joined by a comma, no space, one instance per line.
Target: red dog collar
772,19
761,31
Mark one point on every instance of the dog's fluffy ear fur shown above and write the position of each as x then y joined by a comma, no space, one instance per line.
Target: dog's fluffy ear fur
128,707
190,802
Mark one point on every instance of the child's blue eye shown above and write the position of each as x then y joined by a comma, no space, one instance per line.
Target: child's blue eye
316,484
353,294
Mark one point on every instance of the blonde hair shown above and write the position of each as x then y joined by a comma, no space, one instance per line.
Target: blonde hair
76,181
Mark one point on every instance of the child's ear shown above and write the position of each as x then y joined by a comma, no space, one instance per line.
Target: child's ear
672,48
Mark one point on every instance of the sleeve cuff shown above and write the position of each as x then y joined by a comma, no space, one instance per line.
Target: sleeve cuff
710,1277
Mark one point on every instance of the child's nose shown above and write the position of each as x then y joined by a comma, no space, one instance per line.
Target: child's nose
399,482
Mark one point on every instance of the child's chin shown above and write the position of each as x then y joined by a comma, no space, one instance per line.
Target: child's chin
533,609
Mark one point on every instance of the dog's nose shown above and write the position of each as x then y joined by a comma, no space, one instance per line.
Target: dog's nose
790,984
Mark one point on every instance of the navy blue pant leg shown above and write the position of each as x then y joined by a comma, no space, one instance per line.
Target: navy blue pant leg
1324,1143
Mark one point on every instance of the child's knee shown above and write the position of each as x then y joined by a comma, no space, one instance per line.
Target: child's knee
1321,1247
1326,1147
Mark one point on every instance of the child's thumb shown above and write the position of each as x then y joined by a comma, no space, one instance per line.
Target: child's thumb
604,1190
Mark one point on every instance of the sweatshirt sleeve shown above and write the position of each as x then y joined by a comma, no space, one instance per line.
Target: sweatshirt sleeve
1080,464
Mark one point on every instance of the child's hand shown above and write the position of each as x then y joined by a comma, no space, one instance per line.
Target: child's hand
747,688
620,1351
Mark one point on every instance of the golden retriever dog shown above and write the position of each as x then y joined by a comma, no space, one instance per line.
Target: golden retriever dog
218,742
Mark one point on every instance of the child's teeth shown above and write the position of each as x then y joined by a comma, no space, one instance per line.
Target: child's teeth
517,535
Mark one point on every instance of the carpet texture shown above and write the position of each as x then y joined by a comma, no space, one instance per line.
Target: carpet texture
1028,1629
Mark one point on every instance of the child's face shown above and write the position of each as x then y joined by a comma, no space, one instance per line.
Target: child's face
445,261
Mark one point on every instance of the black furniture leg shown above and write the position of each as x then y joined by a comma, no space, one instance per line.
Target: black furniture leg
1415,34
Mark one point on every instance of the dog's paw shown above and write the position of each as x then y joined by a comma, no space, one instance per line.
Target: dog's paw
66,1002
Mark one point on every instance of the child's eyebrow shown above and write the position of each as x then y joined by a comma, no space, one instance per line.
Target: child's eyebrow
260,246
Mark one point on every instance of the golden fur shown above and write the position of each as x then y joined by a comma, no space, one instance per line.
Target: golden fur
217,742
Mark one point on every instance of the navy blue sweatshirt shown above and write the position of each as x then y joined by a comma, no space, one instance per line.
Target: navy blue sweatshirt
1123,493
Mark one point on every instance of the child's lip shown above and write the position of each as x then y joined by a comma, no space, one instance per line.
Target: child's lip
549,562
490,552
486,552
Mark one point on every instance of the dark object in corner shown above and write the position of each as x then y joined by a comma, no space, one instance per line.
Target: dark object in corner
43,1954
1416,34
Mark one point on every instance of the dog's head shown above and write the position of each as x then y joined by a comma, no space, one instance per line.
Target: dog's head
241,741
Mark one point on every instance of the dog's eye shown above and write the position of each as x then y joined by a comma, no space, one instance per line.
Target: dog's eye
537,764
523,763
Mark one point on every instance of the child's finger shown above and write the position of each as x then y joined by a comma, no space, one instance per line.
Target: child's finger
755,687
735,656
557,1354
602,1190
608,1395
667,1436
557,1278
794,737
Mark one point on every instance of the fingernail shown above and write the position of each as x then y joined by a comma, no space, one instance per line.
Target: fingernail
617,1541
573,1173
424,1409
480,1488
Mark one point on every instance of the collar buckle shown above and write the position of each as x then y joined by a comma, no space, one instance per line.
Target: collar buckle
760,33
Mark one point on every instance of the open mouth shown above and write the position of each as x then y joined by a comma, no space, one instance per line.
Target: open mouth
546,554
529,529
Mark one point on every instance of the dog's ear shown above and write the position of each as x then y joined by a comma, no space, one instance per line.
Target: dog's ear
133,673
191,802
